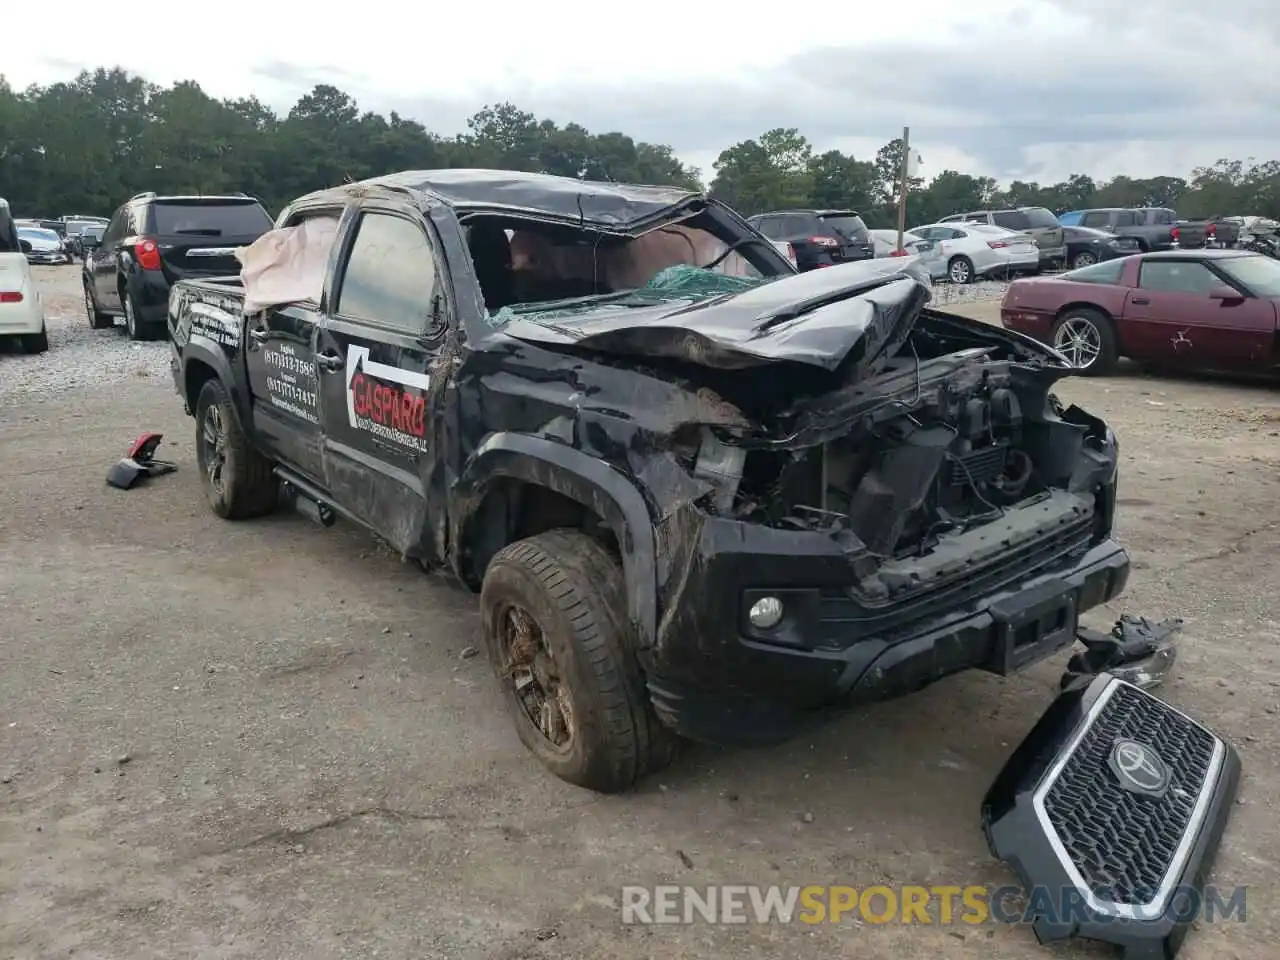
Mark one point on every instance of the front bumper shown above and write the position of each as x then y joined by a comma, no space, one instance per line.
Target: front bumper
731,685
1038,326
1111,844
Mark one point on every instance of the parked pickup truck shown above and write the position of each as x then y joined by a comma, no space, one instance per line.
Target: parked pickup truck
1221,231
697,492
1154,228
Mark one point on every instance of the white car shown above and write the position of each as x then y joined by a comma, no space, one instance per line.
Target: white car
970,251
886,243
21,309
43,246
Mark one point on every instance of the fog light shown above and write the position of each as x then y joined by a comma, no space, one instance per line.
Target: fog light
765,613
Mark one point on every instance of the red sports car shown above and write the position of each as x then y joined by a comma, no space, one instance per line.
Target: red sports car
1210,309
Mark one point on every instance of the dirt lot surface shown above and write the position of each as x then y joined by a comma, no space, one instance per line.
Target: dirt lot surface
263,740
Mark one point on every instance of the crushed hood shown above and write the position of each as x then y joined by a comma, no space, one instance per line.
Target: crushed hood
860,311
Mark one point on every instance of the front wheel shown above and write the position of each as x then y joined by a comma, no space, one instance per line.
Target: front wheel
97,319
1084,259
555,622
1087,339
238,481
960,270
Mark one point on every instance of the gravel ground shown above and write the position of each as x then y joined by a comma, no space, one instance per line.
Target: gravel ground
262,740
78,356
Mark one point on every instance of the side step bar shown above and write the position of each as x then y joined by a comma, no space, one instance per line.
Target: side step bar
306,499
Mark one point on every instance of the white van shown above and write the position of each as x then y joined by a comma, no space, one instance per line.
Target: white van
21,310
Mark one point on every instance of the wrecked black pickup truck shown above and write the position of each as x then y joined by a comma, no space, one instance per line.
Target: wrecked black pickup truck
697,492
700,494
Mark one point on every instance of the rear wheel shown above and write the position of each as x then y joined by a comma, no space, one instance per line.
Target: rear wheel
97,319
36,342
960,270
555,622
131,322
238,481
1087,338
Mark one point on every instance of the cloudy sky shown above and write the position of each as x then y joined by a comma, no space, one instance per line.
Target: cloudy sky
1031,89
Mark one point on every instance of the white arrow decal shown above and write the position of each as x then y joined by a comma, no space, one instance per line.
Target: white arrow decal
358,360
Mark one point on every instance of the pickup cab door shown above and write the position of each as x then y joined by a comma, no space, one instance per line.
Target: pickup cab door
284,383
281,368
375,351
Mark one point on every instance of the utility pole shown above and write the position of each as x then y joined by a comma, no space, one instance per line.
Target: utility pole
902,190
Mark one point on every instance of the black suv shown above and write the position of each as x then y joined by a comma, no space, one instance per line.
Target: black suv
820,238
153,241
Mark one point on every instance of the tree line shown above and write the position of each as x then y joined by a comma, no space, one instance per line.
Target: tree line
86,145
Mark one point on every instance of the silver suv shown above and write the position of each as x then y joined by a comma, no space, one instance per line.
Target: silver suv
1038,223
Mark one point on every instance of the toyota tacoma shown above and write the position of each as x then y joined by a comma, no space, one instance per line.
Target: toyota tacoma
698,493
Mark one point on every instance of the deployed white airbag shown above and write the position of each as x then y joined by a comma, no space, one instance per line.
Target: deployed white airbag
287,265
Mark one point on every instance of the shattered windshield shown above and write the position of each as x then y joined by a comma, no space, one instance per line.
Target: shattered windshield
678,282
552,273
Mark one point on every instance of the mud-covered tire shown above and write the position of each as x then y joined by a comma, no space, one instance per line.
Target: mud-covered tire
245,485
572,587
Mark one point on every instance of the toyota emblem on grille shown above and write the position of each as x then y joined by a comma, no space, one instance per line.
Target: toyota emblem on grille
1139,768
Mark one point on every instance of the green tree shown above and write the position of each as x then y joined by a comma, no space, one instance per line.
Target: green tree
889,173
837,180
950,192
772,173
87,144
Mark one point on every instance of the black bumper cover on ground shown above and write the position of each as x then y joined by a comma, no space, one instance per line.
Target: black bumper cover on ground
1130,867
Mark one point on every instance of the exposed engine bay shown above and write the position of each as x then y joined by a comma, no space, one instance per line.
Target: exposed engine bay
947,457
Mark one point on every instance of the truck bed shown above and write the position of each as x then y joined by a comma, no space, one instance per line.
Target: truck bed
224,286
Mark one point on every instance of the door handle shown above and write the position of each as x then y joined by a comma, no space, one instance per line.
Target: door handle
259,334
1140,301
330,362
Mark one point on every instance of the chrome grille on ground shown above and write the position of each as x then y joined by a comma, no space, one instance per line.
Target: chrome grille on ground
1127,843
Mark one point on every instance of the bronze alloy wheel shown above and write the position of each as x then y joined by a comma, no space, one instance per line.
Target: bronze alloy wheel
531,670
211,451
